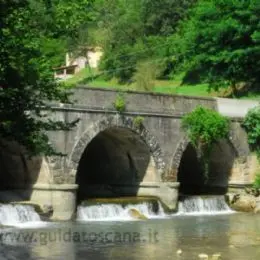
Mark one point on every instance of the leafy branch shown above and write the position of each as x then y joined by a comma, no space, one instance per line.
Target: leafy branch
204,128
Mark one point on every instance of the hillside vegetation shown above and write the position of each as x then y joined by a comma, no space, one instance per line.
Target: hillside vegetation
170,46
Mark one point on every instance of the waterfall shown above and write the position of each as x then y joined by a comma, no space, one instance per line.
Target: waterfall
113,211
190,205
13,215
199,205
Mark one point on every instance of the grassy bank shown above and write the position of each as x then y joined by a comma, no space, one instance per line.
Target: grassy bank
90,78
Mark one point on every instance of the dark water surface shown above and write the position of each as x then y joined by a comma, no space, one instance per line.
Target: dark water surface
235,236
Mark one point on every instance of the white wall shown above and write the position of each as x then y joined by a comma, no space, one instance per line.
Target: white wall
92,59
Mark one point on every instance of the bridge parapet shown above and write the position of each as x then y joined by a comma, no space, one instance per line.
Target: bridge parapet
156,103
140,101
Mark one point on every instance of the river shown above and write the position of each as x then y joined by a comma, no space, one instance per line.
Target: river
233,235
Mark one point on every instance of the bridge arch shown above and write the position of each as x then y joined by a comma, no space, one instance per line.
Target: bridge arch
233,140
116,123
188,171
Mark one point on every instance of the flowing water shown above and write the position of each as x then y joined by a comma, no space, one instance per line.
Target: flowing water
15,215
208,205
112,212
194,205
234,236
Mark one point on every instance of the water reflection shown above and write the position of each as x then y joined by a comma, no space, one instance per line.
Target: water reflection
235,236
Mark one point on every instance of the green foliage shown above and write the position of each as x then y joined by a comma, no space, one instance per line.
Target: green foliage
34,37
119,103
134,31
117,63
251,124
162,17
138,121
145,75
256,183
215,42
205,127
221,42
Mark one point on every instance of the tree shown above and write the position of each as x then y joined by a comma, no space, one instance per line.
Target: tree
31,32
221,42
162,17
136,30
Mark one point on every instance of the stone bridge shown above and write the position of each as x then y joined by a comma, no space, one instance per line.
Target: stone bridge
142,151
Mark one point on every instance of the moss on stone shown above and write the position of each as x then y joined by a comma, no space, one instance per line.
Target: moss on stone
118,200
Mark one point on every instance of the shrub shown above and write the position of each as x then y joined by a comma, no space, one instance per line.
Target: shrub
138,120
251,124
146,74
119,103
205,127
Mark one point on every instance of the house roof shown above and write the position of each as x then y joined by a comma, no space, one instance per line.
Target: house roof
65,67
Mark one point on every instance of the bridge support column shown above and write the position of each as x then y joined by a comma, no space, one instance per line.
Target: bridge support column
166,192
61,197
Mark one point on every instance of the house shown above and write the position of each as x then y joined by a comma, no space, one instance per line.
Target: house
75,64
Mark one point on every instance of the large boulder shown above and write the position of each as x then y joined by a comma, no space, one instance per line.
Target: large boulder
134,213
242,202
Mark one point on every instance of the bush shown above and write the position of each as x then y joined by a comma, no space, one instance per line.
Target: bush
138,120
205,127
251,124
146,74
119,103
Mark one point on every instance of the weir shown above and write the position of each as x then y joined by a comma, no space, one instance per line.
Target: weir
203,205
13,215
189,205
117,212
26,216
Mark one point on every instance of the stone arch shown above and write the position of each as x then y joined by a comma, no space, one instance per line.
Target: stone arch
181,147
234,139
115,121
